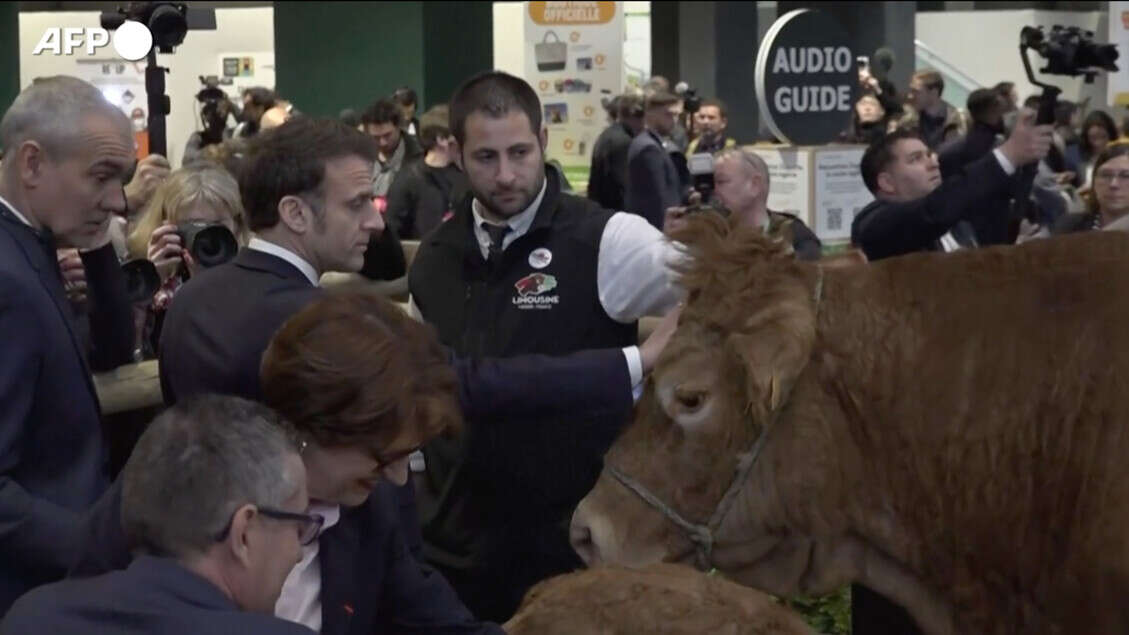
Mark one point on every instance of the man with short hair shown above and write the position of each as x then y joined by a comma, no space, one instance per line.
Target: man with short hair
406,99
67,156
936,119
712,119
915,210
607,180
257,101
653,182
741,183
214,499
383,121
427,190
524,268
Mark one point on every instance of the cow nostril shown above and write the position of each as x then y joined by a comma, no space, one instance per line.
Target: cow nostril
580,536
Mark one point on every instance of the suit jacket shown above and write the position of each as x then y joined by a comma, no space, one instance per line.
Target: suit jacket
370,581
653,182
989,229
884,229
607,181
52,455
154,595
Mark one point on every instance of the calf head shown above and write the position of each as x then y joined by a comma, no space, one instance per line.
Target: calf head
743,339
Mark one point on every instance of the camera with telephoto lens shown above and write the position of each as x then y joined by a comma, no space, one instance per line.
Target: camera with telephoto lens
210,244
141,280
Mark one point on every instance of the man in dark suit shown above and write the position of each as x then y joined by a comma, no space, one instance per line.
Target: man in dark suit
986,109
67,154
214,496
607,182
914,210
653,181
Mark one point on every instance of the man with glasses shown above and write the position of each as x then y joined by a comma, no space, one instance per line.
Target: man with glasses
214,499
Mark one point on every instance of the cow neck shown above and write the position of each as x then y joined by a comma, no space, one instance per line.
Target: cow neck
702,535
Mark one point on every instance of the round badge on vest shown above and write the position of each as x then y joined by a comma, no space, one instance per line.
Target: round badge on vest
806,79
540,258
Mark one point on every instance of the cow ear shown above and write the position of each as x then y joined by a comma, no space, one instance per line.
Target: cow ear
773,359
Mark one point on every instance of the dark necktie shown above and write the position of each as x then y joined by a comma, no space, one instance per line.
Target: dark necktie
497,234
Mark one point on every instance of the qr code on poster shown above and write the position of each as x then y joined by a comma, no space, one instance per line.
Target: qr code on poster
834,219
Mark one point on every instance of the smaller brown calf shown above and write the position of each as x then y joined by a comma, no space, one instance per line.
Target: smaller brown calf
662,598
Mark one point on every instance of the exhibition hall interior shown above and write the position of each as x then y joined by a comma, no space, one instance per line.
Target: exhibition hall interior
559,318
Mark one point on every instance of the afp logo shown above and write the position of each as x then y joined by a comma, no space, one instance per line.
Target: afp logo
132,40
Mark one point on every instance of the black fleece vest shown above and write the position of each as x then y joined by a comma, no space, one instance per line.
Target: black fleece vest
541,297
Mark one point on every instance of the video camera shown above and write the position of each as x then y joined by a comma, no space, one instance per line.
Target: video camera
691,102
215,108
1069,51
168,22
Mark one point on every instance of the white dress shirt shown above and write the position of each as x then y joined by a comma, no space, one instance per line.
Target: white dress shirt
267,247
16,212
300,600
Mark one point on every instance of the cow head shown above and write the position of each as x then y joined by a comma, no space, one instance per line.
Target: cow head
744,336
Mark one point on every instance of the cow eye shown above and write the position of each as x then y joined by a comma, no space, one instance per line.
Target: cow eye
690,400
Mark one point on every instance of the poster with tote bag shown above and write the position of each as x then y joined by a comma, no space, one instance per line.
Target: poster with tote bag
573,55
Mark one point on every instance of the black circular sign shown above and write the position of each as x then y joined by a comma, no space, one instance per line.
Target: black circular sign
806,78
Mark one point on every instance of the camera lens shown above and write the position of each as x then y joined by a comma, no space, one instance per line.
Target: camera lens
213,246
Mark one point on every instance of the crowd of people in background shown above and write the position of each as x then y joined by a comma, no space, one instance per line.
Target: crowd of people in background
299,197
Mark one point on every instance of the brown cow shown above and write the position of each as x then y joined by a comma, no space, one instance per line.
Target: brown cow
948,429
662,598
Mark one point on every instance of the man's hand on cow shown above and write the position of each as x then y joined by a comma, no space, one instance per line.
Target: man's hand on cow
650,350
151,172
1028,142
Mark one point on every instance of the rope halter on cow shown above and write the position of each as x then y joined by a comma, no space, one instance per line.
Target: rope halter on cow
703,535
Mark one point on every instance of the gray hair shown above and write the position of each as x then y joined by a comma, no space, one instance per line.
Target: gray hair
751,158
195,465
50,112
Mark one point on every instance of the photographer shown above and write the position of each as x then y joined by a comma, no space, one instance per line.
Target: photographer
741,183
201,193
914,210
215,108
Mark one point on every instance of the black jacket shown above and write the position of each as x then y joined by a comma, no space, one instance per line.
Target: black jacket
990,229
804,241
422,197
371,582
653,181
52,453
884,229
607,179
154,595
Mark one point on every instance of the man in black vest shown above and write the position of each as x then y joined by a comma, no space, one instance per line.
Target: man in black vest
524,268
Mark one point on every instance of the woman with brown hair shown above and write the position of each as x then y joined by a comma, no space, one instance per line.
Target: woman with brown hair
363,386
1109,198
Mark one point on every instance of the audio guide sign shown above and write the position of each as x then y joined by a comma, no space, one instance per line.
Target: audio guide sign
806,78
